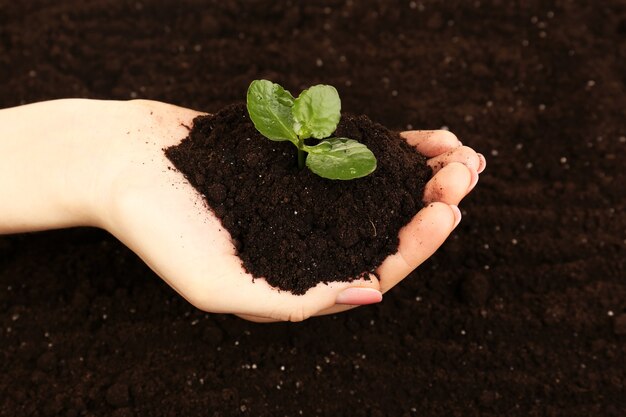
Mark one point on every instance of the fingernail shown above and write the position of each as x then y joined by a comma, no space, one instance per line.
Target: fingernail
482,162
359,296
457,215
473,181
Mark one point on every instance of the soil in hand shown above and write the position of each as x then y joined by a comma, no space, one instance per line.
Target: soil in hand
290,226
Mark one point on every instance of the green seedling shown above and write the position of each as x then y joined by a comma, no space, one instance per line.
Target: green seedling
314,114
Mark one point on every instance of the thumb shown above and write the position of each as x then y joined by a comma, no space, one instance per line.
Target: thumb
418,241
324,298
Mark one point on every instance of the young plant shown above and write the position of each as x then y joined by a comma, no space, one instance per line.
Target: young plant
314,114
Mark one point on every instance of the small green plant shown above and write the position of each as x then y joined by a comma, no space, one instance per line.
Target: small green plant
314,114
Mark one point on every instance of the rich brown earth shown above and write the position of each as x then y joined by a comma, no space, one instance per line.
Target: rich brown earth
521,313
289,225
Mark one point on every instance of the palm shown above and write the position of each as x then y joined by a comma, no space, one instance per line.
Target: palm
164,220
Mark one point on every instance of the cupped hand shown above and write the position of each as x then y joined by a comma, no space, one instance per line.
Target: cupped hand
153,210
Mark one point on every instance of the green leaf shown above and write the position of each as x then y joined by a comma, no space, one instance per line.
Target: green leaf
269,106
345,159
320,148
317,111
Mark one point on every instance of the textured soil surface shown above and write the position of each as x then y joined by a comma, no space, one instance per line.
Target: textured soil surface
290,226
521,313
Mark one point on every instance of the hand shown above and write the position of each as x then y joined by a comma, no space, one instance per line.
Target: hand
101,163
164,220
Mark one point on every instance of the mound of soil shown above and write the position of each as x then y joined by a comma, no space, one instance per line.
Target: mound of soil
291,226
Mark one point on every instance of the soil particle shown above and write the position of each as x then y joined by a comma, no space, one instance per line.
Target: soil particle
291,226
53,406
117,395
123,412
474,288
487,398
38,377
212,335
47,362
619,325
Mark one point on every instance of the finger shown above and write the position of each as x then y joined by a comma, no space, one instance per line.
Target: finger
367,296
431,142
463,154
450,184
258,301
418,240
337,308
483,162
357,299
256,319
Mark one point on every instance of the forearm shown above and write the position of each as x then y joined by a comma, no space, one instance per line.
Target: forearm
47,157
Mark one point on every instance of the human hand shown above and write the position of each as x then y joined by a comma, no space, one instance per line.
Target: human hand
101,163
164,220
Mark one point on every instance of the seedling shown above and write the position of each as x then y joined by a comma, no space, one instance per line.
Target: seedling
314,114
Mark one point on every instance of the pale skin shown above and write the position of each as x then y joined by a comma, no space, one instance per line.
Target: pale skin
77,162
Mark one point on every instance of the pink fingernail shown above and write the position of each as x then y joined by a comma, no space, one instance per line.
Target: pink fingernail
457,215
482,164
473,181
359,296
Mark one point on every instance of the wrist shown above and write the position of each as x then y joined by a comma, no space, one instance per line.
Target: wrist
50,166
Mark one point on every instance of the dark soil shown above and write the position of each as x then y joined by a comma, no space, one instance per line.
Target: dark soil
290,226
521,313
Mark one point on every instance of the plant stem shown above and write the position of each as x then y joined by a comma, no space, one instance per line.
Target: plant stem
301,158
301,153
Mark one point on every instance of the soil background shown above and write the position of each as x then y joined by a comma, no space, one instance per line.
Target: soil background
521,313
